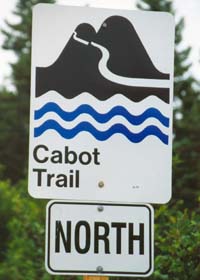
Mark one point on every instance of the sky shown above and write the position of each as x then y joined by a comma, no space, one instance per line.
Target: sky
189,9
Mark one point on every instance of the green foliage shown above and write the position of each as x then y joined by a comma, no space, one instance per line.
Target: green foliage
177,243
11,149
6,213
22,234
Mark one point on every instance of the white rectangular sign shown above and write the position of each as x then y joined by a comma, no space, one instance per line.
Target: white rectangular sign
103,239
101,104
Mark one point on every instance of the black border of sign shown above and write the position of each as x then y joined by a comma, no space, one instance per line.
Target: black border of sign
94,272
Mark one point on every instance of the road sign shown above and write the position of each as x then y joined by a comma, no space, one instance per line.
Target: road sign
103,239
101,104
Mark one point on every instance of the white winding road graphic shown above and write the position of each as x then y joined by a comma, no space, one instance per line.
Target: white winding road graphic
106,73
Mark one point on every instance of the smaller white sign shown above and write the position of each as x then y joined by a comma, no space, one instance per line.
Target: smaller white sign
104,239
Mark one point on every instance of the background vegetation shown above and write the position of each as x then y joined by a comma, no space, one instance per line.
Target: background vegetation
22,232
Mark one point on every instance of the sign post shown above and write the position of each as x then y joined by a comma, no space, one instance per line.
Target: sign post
100,132
101,104
95,277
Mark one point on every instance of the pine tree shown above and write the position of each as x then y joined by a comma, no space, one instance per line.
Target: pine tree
186,178
14,130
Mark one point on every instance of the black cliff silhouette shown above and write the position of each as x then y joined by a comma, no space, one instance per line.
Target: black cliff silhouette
76,71
128,56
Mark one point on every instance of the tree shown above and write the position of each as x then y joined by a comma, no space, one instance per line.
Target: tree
22,230
186,178
176,243
9,135
15,105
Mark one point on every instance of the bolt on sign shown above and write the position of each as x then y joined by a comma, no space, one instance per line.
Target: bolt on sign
101,104
103,239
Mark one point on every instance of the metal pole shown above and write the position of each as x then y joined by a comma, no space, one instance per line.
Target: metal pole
95,278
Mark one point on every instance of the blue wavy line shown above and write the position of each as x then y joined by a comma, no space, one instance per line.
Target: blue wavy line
102,118
101,135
